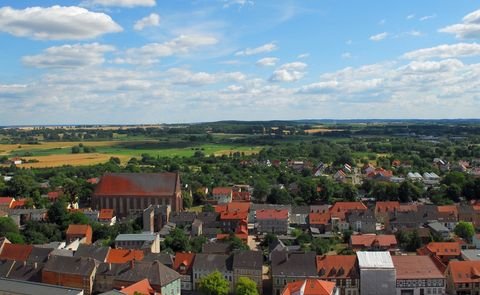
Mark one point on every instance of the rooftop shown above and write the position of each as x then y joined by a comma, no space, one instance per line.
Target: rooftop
309,287
24,287
137,184
375,259
416,267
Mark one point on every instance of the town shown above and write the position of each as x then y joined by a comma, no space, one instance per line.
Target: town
340,227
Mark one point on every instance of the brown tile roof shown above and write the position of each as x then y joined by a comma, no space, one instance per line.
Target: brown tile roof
309,287
451,209
105,214
79,229
271,214
6,200
337,266
413,267
137,184
371,240
388,206
464,271
221,190
16,252
319,218
124,255
17,204
233,206
141,287
185,260
443,248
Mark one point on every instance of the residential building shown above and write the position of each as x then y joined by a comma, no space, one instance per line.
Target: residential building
106,274
418,275
470,254
339,211
439,229
17,252
98,253
19,287
369,242
70,272
362,221
320,221
144,241
205,264
107,216
376,267
20,270
82,232
141,287
182,219
183,264
310,287
341,269
463,278
248,264
124,255
272,221
384,209
444,251
287,267
6,203
131,193
476,241
155,217
222,195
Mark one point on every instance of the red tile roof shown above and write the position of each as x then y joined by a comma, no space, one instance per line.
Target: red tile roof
413,267
52,196
451,209
241,196
124,255
222,190
17,204
79,229
319,218
407,208
185,260
272,214
337,266
464,271
142,287
441,249
309,287
137,184
232,207
389,206
233,215
339,209
373,240
105,214
16,252
6,200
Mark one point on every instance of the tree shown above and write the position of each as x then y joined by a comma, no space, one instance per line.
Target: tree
414,242
246,286
57,213
465,230
260,190
75,149
7,225
177,241
320,246
214,284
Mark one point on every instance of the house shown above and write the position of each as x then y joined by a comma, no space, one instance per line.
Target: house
22,216
243,196
287,267
39,255
131,193
340,176
463,277
141,287
339,211
444,251
82,232
470,254
98,253
380,174
431,179
248,264
376,267
144,241
17,252
106,274
369,242
439,229
418,275
3,242
183,264
319,169
384,209
321,221
21,287
161,278
414,176
124,255
469,213
342,270
6,203
310,287
19,204
155,217
232,215
222,195
272,221
182,219
107,216
18,270
362,221
74,272
205,264
216,248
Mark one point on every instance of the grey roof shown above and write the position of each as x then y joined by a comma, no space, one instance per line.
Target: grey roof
216,247
361,215
471,254
62,252
220,262
96,252
438,227
164,258
39,255
208,217
17,270
294,264
298,218
71,265
53,245
319,208
136,237
112,269
248,259
112,292
210,231
157,273
30,288
182,217
375,259
300,209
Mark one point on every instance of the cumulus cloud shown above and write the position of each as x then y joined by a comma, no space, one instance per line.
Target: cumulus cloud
56,23
445,51
468,29
379,37
289,72
151,20
153,52
267,62
120,3
269,47
68,56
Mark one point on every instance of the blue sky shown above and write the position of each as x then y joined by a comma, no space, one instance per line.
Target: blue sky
160,61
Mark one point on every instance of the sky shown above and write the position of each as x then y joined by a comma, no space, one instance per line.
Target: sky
178,61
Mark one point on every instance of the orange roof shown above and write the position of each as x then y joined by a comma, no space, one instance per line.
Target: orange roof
233,206
451,209
272,214
407,208
309,287
6,200
79,229
347,206
372,240
425,267
106,214
142,287
241,236
54,195
444,248
388,206
124,255
464,271
222,190
336,266
185,260
16,252
233,215
319,218
18,203
241,196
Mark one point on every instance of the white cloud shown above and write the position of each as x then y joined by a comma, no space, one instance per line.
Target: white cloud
68,56
269,47
56,23
228,3
379,37
445,51
427,17
152,20
120,3
469,29
410,16
414,33
152,52
346,55
303,55
267,62
289,72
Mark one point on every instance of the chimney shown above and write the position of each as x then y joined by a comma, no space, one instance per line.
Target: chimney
132,263
109,266
35,265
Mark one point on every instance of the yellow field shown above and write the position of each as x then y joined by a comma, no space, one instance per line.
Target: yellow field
9,148
318,129
70,159
252,151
